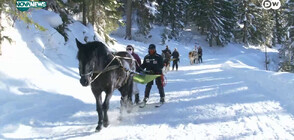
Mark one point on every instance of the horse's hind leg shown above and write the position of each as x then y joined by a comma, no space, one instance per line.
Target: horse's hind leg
126,93
106,107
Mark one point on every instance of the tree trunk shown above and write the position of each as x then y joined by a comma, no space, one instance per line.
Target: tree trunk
129,20
266,62
245,24
245,32
84,12
202,30
278,37
210,40
93,12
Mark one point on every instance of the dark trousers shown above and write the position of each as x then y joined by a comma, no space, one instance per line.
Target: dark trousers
175,63
159,86
200,58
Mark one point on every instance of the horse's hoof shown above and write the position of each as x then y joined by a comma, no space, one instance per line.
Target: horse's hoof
105,124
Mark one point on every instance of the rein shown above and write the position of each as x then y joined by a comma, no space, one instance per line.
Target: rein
104,70
108,67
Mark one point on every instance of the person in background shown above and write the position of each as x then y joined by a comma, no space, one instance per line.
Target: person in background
176,58
167,49
200,54
195,52
153,64
131,49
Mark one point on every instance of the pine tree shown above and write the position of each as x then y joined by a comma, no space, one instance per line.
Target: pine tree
172,15
198,14
280,25
255,23
247,12
2,10
145,11
217,18
287,51
264,28
60,7
108,18
4,4
102,14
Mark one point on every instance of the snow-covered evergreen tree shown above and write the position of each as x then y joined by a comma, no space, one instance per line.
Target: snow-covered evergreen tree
172,15
280,24
217,18
255,23
287,50
247,13
9,7
146,11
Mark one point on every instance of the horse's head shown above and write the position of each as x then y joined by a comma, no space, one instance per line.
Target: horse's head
92,56
86,62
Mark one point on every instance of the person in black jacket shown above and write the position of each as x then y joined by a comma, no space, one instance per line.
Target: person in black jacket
200,54
167,49
175,56
153,64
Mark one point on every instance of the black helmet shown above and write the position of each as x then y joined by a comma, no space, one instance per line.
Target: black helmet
152,46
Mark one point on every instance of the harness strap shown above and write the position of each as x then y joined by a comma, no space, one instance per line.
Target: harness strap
102,70
125,57
109,68
128,72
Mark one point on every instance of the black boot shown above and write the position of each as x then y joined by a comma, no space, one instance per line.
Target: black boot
145,99
137,98
162,100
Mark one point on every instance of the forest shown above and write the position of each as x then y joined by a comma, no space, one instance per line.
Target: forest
221,21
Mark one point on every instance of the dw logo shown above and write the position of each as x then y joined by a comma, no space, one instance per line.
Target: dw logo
271,4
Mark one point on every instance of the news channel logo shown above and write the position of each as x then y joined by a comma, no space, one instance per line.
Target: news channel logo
271,4
24,5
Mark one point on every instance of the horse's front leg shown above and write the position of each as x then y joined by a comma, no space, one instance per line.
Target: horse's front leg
106,107
98,97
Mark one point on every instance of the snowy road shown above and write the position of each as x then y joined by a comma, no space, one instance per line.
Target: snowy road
212,100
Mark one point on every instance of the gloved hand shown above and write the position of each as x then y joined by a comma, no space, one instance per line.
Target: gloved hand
149,72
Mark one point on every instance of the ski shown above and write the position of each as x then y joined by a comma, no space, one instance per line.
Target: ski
159,105
142,105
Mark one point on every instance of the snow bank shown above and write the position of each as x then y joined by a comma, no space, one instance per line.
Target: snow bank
278,85
46,18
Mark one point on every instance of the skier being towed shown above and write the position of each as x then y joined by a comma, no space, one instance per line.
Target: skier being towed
153,63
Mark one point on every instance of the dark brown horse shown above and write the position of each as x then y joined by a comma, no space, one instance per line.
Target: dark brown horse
106,72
